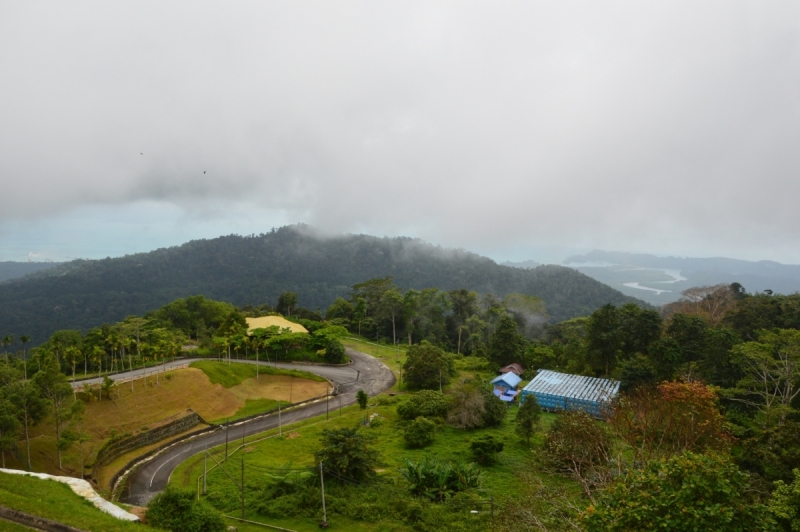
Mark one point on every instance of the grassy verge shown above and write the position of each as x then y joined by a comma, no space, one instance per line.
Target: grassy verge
229,375
394,357
56,501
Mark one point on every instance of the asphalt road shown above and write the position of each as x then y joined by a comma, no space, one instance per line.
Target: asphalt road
366,373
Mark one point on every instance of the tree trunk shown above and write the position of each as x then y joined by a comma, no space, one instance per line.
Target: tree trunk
394,334
459,341
27,441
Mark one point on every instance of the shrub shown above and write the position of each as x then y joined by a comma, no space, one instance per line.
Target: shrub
528,417
426,403
362,398
439,479
494,409
420,432
578,444
485,449
467,408
346,452
334,352
178,511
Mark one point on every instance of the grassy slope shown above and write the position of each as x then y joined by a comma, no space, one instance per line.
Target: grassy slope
56,501
229,375
144,407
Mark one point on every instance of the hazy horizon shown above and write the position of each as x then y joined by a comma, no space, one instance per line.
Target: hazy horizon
517,130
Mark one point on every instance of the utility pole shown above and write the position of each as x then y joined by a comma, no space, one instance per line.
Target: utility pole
291,381
327,409
340,405
322,485
227,425
242,486
280,431
244,431
205,472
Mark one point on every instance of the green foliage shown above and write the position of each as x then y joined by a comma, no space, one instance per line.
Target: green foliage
229,375
580,446
529,416
506,344
437,479
420,433
485,449
637,371
340,309
90,292
494,409
604,339
179,511
286,302
426,403
334,352
785,503
427,367
687,492
195,316
56,501
347,453
362,398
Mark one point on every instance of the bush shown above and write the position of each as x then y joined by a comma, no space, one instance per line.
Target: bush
346,452
494,409
438,479
528,417
178,511
426,403
420,432
334,352
362,398
485,449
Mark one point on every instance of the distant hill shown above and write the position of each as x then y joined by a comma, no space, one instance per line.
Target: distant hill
14,270
256,269
660,280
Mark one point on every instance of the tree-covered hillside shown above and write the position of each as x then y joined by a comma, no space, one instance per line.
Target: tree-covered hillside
257,269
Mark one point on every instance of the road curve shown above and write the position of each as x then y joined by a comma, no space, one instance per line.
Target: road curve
366,372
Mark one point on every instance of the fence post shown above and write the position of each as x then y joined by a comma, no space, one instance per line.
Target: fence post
205,472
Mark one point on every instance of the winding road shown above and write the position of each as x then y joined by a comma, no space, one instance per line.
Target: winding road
365,373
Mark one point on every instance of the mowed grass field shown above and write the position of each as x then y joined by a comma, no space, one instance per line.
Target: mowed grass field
56,501
236,393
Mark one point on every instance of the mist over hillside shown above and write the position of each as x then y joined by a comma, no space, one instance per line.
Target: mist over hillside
257,269
14,270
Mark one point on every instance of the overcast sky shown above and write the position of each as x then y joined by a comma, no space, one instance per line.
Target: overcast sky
518,130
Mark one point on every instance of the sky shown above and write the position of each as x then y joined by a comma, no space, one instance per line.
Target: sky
520,130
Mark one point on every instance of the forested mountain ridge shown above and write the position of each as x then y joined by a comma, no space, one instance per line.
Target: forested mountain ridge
257,269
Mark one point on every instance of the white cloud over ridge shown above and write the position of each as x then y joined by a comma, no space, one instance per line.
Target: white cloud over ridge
659,127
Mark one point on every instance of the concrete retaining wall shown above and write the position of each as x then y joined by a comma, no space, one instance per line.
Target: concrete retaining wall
113,450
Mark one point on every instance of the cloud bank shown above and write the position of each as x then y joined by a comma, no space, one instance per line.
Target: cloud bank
659,127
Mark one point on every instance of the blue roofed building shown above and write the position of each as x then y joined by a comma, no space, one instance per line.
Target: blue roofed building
562,391
505,386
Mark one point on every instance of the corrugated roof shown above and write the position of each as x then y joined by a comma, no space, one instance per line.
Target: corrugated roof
509,378
269,321
573,386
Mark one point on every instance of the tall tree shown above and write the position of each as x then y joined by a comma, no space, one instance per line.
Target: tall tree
604,339
506,344
286,302
24,339
464,304
58,393
31,408
391,306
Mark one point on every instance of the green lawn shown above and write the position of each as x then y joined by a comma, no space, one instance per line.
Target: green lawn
257,406
295,449
56,501
229,375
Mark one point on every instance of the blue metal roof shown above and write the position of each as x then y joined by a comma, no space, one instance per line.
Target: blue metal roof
575,387
509,378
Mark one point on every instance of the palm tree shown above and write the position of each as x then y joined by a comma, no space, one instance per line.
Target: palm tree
25,339
7,341
73,353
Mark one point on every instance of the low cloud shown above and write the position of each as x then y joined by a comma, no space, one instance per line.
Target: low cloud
668,128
